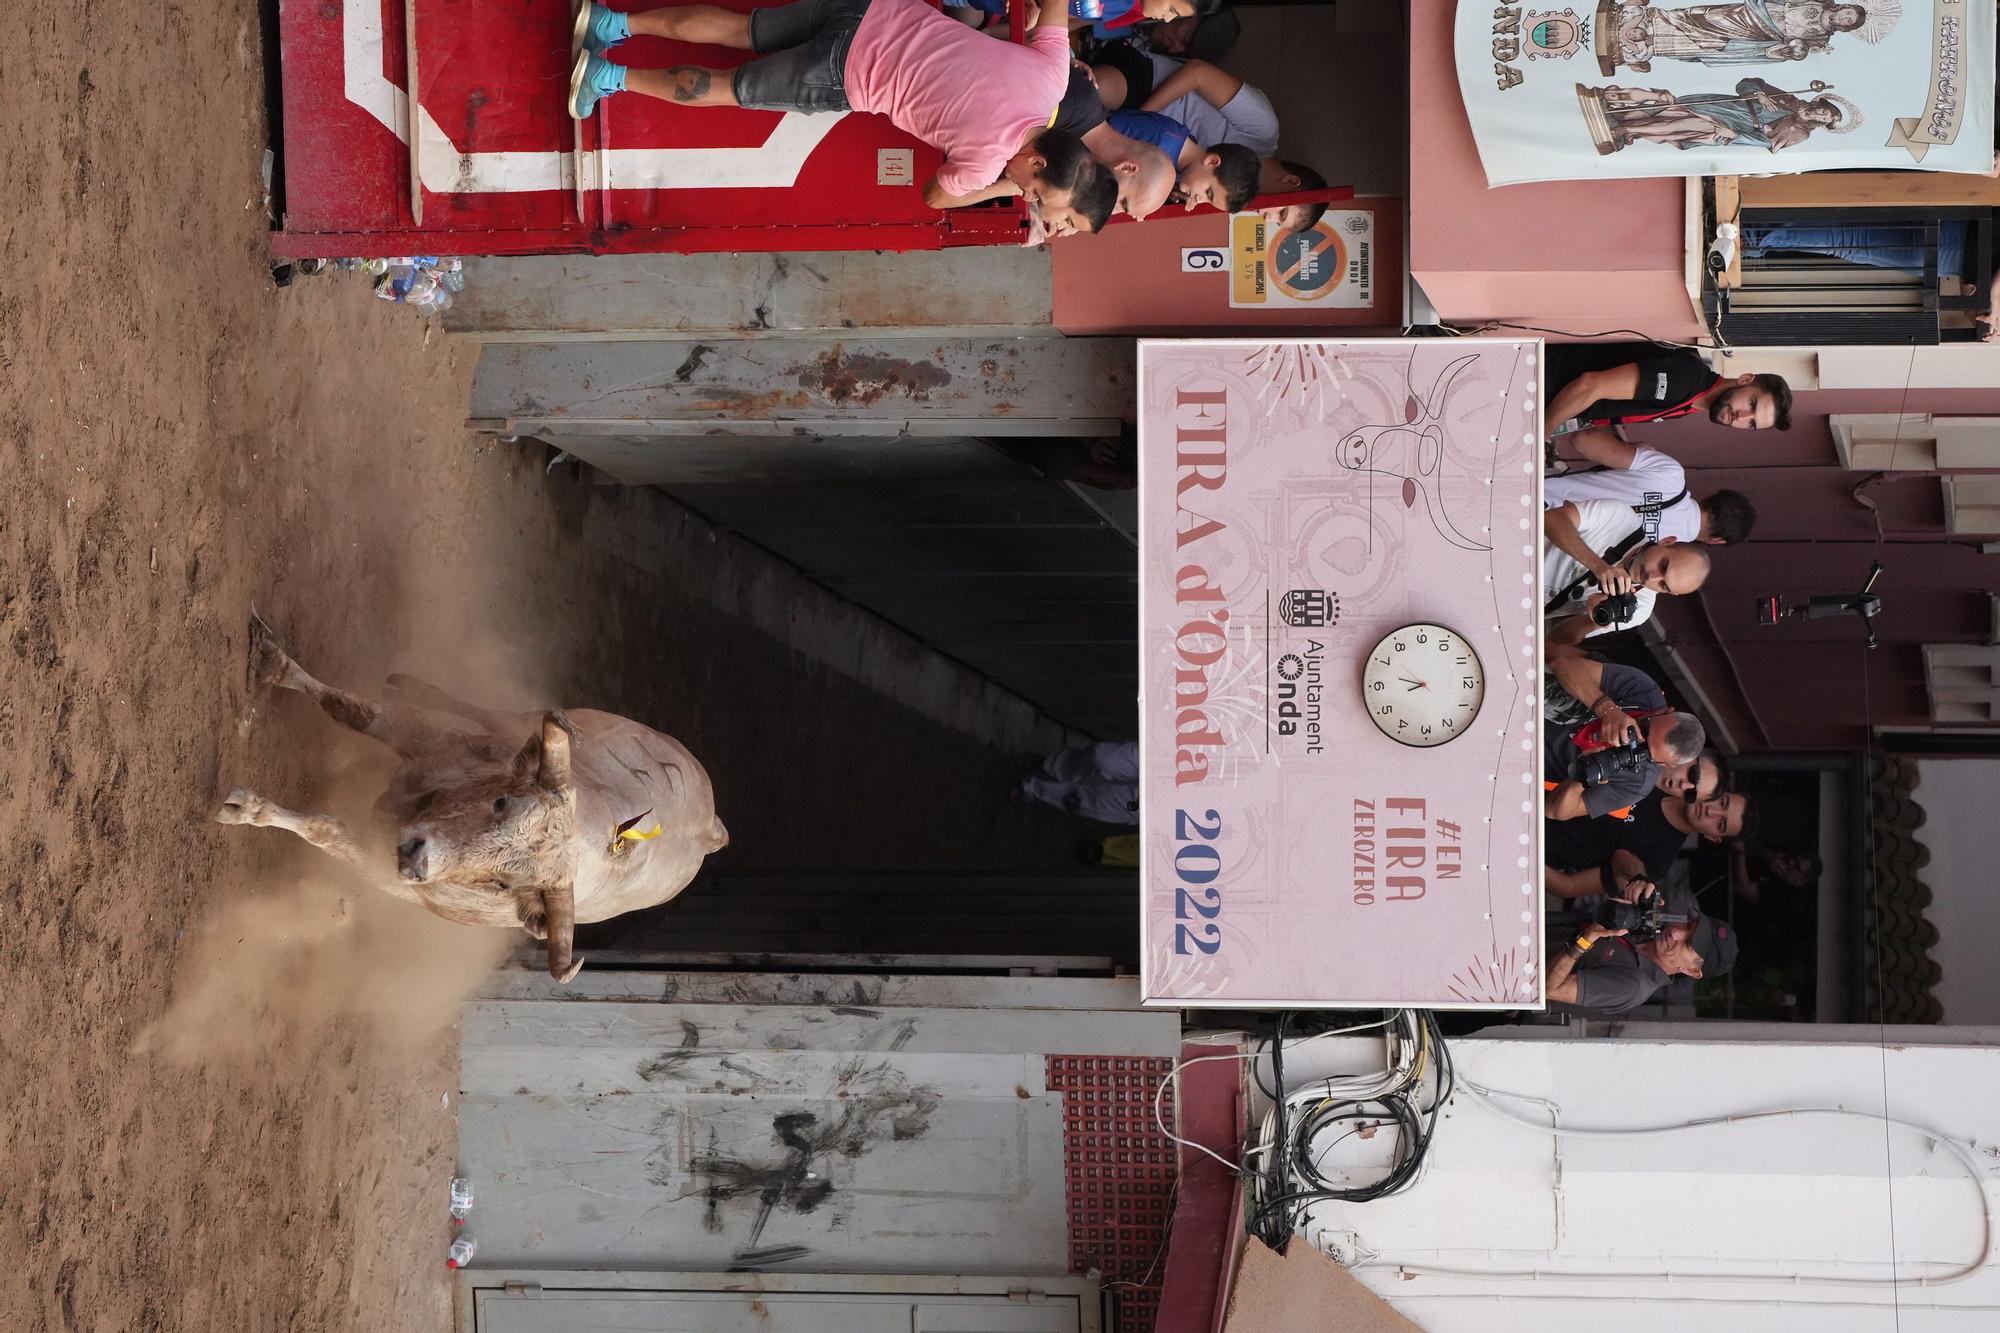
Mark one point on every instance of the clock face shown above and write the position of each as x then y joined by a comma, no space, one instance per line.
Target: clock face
1422,685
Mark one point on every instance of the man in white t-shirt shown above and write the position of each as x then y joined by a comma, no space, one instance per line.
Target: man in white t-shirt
1215,105
1595,548
1212,102
1216,108
1643,476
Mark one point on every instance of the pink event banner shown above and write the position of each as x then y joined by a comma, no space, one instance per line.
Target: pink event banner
1339,556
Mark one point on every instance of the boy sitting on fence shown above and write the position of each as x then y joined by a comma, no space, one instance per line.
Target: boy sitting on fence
1224,176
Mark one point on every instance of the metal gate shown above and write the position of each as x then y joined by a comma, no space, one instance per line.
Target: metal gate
488,161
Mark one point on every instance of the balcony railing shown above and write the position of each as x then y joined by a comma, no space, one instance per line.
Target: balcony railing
1820,276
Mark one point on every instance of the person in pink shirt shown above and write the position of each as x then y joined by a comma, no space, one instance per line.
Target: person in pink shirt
987,105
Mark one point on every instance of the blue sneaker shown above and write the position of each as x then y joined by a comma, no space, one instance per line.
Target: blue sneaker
598,28
592,79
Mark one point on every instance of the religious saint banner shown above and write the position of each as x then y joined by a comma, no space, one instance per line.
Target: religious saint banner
1750,87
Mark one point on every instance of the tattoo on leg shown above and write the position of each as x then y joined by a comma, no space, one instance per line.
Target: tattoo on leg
690,82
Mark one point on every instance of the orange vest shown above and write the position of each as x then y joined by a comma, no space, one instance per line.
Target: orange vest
1624,812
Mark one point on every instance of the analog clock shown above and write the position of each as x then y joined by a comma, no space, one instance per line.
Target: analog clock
1422,685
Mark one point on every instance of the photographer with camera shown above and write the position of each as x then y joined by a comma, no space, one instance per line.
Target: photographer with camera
1692,783
1602,568
1606,733
1611,969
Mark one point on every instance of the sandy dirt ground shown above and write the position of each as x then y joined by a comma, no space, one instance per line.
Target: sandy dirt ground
230,1073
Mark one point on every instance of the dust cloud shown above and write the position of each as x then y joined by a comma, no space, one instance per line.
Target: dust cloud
312,953
311,942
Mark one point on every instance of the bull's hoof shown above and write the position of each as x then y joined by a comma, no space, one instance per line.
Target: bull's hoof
240,807
267,661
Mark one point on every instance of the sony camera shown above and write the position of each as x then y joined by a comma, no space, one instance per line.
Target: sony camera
1616,609
1642,920
1611,763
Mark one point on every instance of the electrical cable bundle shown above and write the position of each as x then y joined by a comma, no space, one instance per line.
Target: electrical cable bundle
1305,1124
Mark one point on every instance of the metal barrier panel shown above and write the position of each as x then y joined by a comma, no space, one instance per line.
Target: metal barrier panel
500,168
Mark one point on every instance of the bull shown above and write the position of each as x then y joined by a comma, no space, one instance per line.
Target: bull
536,820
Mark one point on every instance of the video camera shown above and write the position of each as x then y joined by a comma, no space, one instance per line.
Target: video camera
1642,920
1866,604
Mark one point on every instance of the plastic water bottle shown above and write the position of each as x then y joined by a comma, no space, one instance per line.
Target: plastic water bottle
424,292
374,268
460,1253
398,286
461,1199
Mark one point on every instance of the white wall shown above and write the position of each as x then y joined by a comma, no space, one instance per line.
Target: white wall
1961,801
1764,1226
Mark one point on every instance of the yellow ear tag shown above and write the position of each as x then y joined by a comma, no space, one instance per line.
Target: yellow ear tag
629,832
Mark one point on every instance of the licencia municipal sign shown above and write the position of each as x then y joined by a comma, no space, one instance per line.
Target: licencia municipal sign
1330,265
1304,504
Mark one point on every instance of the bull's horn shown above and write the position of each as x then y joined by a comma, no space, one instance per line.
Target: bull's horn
558,735
559,915
545,759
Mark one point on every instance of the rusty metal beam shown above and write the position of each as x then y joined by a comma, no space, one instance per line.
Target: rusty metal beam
636,391
554,298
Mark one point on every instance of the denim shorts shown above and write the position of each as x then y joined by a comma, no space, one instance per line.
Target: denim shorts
802,56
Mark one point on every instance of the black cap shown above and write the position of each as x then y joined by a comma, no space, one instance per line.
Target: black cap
1716,943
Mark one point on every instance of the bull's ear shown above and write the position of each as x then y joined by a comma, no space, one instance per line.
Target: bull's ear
544,761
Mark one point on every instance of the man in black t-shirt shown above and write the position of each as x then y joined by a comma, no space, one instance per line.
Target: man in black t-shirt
1612,384
1081,109
1582,857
